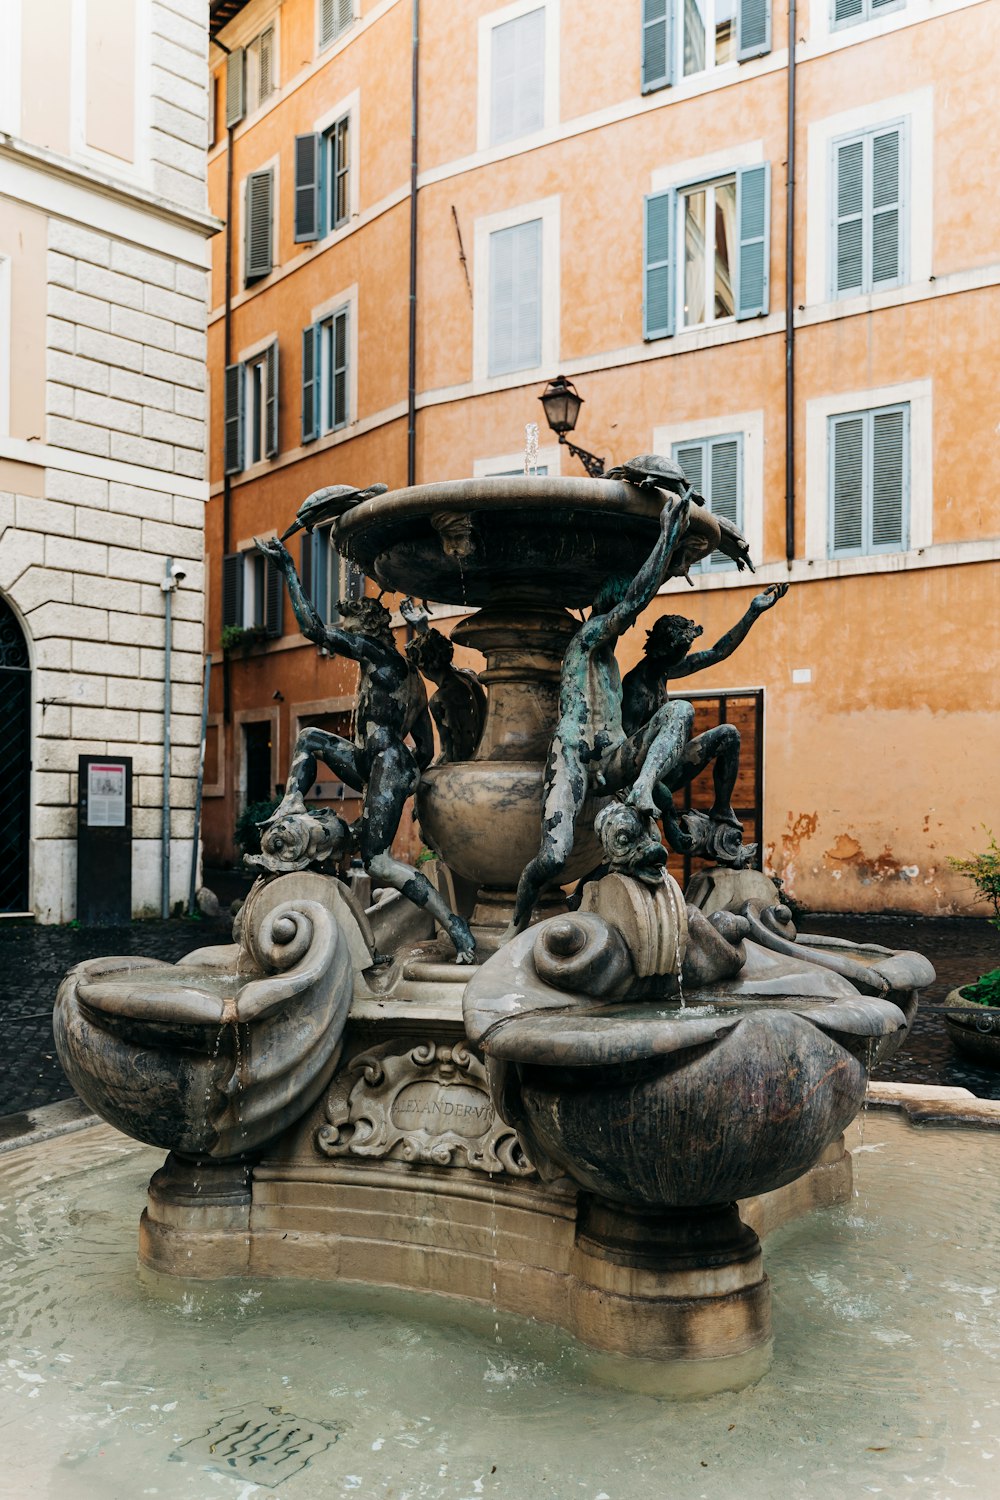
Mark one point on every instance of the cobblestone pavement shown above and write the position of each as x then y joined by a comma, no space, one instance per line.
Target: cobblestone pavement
34,959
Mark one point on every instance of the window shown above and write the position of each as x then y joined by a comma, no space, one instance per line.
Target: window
251,410
515,298
260,70
852,12
327,577
714,466
706,252
323,180
869,480
252,593
517,77
325,375
335,16
868,216
681,38
258,226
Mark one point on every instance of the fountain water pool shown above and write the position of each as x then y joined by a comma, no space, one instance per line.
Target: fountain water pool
886,1321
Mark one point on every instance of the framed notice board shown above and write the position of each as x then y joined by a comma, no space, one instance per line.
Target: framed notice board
104,841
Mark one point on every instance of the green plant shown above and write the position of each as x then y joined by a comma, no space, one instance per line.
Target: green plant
984,872
985,991
247,832
242,635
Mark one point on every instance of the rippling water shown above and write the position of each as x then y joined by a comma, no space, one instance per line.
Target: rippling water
886,1374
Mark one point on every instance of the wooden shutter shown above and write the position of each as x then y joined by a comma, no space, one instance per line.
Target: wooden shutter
517,77
265,65
258,209
307,215
888,481
339,362
334,17
753,28
725,487
847,10
849,255
274,599
271,400
847,484
657,44
310,384
886,259
658,281
236,76
232,589
753,216
233,419
691,457
515,310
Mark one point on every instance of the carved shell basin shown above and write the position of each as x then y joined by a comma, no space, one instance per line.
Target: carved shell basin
217,1055
645,1103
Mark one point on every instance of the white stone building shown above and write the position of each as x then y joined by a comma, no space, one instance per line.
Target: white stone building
103,255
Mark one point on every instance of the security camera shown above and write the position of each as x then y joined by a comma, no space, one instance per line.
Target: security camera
180,574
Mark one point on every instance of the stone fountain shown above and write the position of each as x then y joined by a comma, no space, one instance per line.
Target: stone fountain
547,1079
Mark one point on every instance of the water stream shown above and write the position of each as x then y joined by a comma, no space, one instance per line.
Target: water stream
886,1375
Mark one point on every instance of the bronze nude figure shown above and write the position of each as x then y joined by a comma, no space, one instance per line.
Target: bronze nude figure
458,707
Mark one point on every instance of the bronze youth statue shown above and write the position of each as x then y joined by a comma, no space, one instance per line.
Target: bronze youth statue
392,703
458,708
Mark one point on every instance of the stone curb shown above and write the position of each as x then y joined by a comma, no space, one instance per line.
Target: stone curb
925,1104
45,1123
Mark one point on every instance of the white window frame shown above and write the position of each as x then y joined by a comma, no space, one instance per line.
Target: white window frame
918,394
254,103
139,168
548,210
254,589
484,92
549,458
273,164
707,186
917,110
867,14
871,550
750,426
903,226
6,338
711,66
348,300
254,375
350,106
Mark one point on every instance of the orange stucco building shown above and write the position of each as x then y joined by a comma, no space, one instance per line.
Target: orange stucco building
611,204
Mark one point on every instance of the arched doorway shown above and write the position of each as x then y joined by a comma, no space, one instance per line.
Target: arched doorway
15,762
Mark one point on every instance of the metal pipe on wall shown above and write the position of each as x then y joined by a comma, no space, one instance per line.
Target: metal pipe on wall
790,297
411,390
199,789
170,581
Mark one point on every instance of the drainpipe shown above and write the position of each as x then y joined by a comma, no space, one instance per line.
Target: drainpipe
411,393
227,356
168,585
790,299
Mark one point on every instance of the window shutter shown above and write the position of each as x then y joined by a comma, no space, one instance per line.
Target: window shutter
334,17
258,211
847,484
515,313
345,14
878,5
658,281
517,77
232,589
306,564
886,259
725,488
848,10
340,148
849,226
233,419
339,371
321,571
310,385
657,45
753,29
271,401
753,214
274,599
307,150
691,457
888,480
236,77
265,65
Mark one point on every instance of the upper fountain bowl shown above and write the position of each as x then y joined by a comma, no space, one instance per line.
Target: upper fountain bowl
512,540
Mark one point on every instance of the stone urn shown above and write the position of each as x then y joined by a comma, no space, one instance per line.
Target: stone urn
974,1029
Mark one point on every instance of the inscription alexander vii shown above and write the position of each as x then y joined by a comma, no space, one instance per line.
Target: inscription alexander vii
420,1103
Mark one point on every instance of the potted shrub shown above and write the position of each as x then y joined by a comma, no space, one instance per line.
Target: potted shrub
974,1022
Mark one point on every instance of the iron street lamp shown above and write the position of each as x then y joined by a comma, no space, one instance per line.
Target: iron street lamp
561,403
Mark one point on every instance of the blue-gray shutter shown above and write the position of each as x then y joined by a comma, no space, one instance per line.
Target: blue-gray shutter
274,599
517,77
657,44
753,216
310,384
259,236
236,87
849,211
233,419
232,589
753,28
886,258
271,400
340,167
334,18
657,265
847,11
321,571
691,457
306,564
725,488
307,211
888,482
847,484
515,310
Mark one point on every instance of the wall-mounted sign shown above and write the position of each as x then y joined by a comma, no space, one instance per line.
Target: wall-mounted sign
106,794
104,841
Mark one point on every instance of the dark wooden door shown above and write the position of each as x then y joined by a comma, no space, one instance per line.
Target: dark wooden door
15,763
746,711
